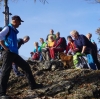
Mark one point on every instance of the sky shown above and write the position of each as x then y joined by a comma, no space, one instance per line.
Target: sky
59,15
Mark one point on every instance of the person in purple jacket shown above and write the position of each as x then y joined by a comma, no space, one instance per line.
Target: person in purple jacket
85,46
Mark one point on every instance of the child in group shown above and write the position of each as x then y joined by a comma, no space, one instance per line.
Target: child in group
71,48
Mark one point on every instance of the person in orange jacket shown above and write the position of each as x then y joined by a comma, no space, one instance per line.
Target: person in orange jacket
71,48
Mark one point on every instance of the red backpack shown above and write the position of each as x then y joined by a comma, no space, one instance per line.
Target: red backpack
35,56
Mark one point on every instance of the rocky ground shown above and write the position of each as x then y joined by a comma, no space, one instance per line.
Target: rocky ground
58,84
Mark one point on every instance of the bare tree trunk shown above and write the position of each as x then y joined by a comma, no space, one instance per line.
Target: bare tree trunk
6,12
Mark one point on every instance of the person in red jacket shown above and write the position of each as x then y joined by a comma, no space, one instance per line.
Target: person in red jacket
71,48
58,46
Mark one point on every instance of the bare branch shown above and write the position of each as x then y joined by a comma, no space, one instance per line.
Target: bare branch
0,2
98,33
43,1
93,1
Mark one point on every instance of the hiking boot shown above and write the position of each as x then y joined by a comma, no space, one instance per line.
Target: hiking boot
52,60
36,86
5,97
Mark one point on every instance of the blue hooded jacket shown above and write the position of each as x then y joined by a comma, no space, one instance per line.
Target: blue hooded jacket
11,40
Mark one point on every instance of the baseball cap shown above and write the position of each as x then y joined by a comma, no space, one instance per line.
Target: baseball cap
16,17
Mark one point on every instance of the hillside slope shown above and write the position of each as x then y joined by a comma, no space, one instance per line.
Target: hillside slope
58,84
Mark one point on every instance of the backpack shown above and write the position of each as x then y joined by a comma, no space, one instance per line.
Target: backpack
1,48
64,43
80,61
91,62
35,56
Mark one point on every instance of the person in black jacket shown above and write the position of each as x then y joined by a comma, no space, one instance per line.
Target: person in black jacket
22,41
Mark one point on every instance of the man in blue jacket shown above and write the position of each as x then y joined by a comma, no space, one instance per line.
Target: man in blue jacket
10,55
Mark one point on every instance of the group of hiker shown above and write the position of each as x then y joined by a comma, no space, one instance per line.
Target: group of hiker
48,50
55,44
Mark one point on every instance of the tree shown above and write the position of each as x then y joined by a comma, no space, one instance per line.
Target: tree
98,32
94,1
43,1
6,12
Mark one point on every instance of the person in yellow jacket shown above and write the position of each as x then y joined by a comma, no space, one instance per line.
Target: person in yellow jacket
51,42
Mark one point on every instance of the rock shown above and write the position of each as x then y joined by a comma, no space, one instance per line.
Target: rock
58,84
53,67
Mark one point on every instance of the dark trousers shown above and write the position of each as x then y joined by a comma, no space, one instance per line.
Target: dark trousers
94,55
8,59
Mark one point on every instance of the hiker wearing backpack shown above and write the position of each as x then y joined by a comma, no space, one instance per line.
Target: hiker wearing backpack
20,43
85,46
59,46
36,54
10,55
